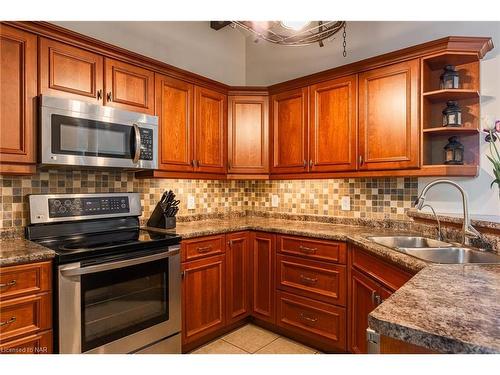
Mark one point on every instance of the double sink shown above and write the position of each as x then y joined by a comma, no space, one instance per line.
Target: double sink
435,251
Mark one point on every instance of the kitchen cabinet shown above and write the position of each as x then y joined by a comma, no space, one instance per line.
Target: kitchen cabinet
333,125
203,297
248,134
128,86
175,109
238,276
18,82
289,131
71,72
26,308
263,283
210,131
389,118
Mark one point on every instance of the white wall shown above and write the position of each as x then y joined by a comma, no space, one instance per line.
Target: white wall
193,46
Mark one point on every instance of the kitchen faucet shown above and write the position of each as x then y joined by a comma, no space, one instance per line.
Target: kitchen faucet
468,230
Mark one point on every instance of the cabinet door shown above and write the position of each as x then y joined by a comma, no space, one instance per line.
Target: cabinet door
248,133
174,106
238,274
210,133
203,297
70,72
129,87
333,125
289,132
363,292
18,90
263,283
388,117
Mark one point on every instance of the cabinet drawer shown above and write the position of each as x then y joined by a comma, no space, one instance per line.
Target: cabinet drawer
322,281
314,249
320,321
389,275
25,315
24,279
33,344
202,247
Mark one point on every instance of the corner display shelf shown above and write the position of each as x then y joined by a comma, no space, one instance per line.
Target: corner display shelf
433,101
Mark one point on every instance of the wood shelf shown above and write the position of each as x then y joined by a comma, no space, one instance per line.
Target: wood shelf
451,94
449,170
450,130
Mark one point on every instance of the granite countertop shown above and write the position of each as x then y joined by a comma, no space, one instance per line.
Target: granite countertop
446,308
356,235
18,250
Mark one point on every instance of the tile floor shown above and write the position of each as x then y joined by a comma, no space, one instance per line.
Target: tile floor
251,339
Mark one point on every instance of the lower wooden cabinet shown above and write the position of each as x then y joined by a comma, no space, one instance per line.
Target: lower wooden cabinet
322,322
26,309
238,276
263,285
203,297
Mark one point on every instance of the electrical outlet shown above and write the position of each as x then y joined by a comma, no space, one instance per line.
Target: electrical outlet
275,200
346,203
191,203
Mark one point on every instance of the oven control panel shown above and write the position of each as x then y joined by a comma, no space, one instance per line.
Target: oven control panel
146,144
68,207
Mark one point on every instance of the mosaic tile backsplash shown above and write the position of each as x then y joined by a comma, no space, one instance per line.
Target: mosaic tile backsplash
370,198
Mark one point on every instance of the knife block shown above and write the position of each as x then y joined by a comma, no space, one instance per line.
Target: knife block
159,220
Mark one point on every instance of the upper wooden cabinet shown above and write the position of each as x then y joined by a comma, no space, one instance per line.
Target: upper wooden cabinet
248,134
388,117
175,108
18,91
128,86
333,125
289,126
210,131
70,72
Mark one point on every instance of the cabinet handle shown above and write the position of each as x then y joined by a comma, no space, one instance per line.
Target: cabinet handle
230,243
182,274
11,320
109,96
378,299
205,249
307,319
196,163
10,283
99,94
360,158
308,280
305,163
307,250
374,296
311,163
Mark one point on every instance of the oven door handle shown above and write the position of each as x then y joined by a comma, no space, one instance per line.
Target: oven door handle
138,142
77,271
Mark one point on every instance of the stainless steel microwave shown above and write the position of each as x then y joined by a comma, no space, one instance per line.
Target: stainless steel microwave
76,133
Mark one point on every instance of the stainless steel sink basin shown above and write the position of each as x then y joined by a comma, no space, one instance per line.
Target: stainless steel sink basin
452,255
435,251
408,242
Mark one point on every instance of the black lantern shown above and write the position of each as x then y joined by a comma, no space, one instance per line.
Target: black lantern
454,152
452,114
450,78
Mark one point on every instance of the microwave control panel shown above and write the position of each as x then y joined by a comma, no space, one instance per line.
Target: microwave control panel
69,207
146,144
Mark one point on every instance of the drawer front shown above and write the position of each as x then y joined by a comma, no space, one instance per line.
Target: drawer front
387,274
24,279
202,247
322,321
33,344
329,251
25,315
318,280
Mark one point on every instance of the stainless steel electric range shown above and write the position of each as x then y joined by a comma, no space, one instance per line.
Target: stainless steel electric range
117,287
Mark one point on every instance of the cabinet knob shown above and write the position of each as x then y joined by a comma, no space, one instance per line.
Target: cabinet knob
109,96
99,94
305,163
360,158
311,163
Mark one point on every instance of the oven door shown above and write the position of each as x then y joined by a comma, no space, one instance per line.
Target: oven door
119,305
78,133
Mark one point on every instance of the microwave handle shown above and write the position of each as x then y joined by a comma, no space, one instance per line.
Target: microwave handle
137,154
77,271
